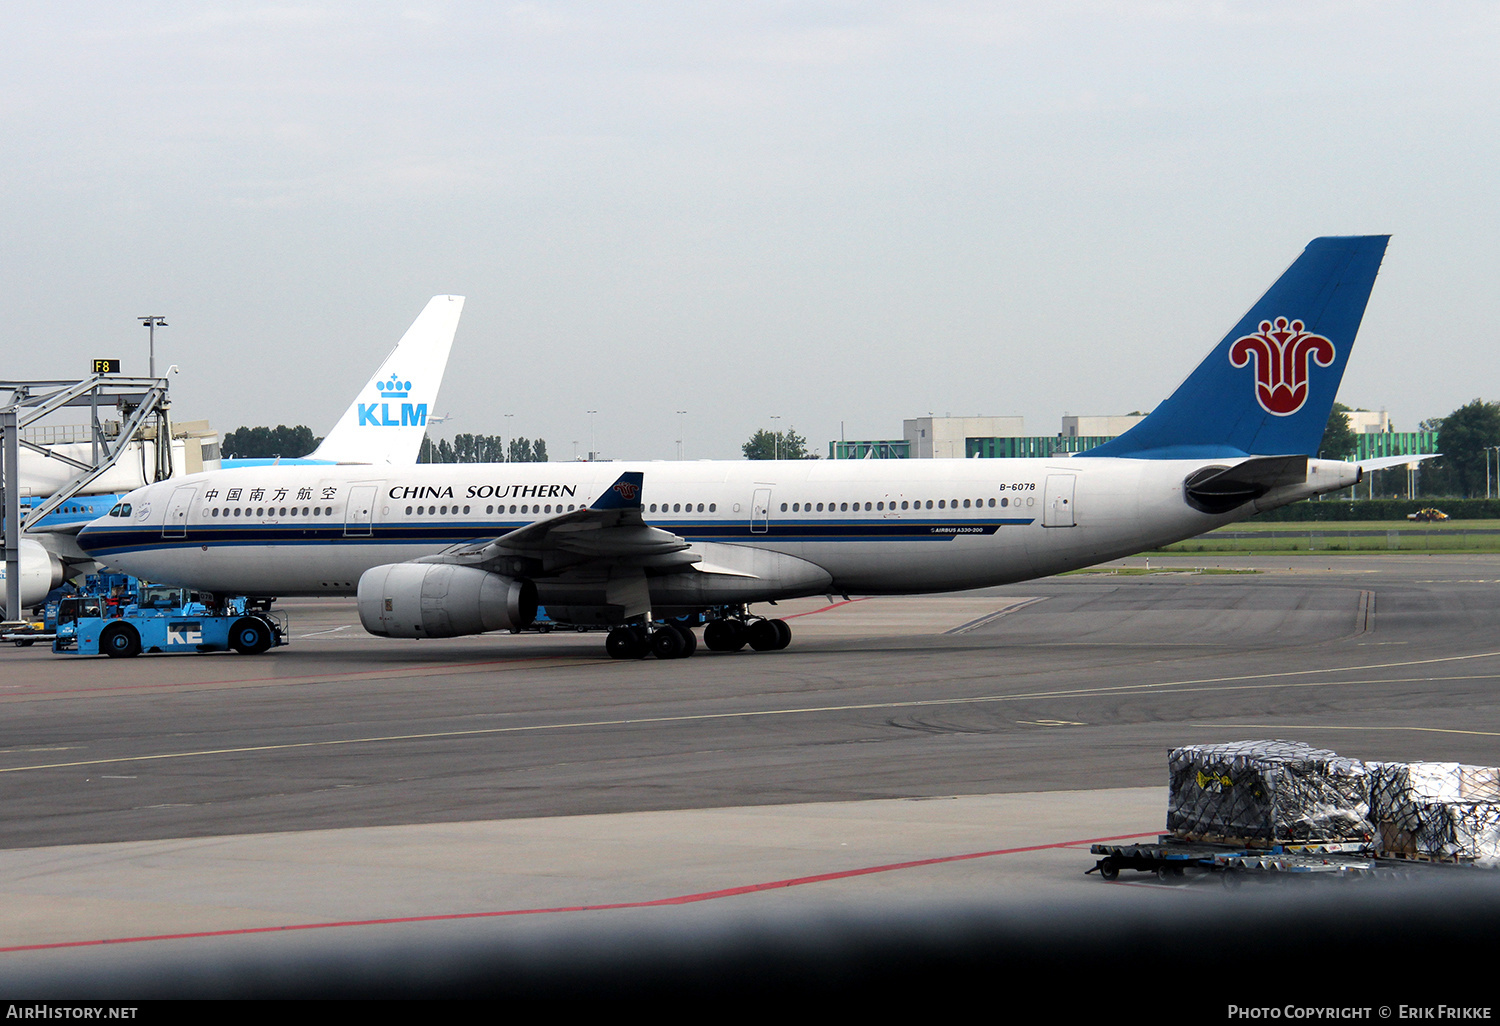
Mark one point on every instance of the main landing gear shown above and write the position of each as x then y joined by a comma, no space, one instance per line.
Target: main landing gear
672,640
732,635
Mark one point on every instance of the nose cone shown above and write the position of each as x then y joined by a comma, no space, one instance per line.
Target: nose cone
91,538
122,525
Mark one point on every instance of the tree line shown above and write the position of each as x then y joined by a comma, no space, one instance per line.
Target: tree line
264,443
467,448
776,445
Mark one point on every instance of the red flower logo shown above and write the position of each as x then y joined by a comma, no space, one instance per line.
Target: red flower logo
1284,354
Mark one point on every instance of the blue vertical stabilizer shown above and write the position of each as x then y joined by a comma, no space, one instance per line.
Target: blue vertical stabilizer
1268,387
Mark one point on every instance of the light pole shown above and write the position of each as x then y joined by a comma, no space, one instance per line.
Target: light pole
591,433
509,436
152,323
681,436
1487,450
775,439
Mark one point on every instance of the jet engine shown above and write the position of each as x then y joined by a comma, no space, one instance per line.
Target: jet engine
41,571
439,600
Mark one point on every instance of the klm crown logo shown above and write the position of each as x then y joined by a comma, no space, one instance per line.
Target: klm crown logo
394,388
379,414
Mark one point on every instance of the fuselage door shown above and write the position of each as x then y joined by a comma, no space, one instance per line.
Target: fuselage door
175,525
760,511
358,513
1057,508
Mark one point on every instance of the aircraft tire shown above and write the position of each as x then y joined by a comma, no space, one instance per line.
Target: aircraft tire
250,636
724,636
689,640
120,642
625,643
783,634
667,643
763,636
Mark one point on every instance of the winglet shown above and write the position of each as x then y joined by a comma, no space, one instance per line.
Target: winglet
388,420
625,493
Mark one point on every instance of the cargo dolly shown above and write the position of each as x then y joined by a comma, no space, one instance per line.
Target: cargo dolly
1171,857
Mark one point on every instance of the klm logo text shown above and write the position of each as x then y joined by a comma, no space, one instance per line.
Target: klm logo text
379,415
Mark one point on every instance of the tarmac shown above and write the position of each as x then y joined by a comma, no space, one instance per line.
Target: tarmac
346,789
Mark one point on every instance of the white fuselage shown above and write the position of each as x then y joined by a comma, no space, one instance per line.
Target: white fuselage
874,526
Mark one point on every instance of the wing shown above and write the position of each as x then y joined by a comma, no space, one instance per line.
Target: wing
611,531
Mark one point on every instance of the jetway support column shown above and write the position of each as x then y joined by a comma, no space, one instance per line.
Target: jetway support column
10,483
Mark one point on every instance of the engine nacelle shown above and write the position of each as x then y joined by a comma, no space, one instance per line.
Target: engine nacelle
438,600
41,571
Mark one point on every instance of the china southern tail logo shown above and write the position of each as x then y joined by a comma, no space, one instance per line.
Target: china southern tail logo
1284,355
379,414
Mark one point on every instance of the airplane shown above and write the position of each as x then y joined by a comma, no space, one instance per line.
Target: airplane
438,551
384,425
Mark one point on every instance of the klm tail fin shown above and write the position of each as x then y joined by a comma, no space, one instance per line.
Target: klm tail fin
388,419
1268,387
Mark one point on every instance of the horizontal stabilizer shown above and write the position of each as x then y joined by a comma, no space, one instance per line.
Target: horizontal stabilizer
1387,462
1221,489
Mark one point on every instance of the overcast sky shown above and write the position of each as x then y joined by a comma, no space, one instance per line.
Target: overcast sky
825,212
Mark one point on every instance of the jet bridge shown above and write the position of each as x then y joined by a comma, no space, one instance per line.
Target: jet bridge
141,406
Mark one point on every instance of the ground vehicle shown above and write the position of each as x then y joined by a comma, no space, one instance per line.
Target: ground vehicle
1429,515
122,617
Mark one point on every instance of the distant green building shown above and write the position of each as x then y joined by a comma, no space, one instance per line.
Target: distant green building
1029,446
1370,446
1395,443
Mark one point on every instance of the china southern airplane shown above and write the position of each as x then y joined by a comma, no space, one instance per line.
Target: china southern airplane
437,551
384,425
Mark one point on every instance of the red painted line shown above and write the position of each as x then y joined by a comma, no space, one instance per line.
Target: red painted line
810,612
681,899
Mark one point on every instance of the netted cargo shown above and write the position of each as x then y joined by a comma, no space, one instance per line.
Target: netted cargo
1270,791
1442,809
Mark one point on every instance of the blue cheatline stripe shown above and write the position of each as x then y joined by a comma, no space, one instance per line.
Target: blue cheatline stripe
135,539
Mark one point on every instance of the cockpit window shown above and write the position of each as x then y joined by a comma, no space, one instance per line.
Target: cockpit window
121,509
